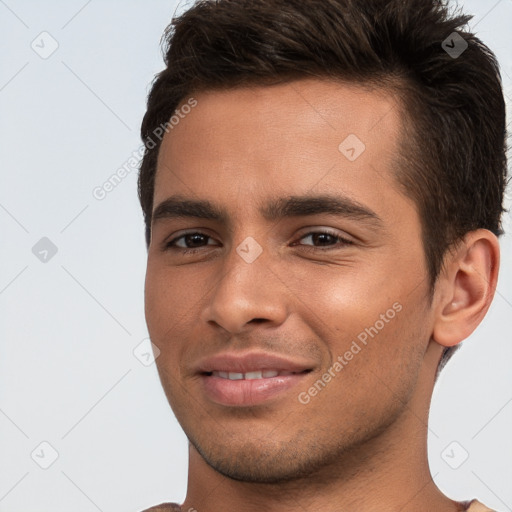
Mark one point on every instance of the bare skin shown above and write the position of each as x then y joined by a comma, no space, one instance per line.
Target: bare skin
360,442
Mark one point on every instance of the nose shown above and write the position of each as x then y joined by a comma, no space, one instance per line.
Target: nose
246,292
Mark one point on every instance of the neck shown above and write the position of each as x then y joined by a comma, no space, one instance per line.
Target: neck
387,473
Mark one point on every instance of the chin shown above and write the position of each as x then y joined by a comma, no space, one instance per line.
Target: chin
273,462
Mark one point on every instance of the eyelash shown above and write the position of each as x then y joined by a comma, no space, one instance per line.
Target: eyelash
171,244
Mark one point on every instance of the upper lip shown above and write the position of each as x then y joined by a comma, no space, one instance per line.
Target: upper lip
250,362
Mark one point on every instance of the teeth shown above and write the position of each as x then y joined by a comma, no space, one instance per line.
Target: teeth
253,375
263,374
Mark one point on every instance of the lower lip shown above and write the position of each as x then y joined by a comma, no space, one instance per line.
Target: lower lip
247,392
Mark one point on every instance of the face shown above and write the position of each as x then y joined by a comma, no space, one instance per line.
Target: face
284,257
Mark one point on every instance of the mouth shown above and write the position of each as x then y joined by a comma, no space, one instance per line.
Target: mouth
236,389
245,379
253,375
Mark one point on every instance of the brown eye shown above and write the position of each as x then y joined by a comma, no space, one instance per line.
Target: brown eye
325,239
188,242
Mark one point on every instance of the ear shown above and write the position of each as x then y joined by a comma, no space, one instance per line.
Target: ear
466,287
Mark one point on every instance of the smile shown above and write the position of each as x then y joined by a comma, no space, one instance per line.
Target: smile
234,389
260,374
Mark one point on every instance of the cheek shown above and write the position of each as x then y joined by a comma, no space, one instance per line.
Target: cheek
370,320
341,303
166,323
375,359
165,302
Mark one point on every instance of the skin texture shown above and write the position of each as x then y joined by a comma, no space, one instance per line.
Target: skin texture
360,443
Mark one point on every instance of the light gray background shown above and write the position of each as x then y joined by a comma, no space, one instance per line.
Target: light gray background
69,326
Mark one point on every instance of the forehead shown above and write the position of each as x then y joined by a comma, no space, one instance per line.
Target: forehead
303,135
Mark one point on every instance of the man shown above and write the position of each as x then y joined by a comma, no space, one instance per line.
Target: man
322,189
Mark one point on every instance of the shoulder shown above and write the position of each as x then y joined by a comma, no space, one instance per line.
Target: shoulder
164,507
476,506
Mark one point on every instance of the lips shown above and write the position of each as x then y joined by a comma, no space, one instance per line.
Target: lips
249,379
254,375
251,362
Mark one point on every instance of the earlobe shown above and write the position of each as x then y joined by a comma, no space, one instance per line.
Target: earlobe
466,287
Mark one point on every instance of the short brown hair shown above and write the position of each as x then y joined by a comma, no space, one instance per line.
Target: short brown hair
453,160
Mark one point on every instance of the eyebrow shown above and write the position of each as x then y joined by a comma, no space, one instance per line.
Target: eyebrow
271,210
